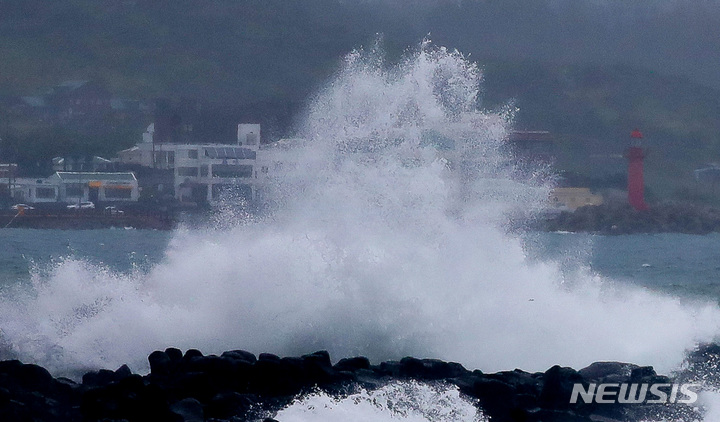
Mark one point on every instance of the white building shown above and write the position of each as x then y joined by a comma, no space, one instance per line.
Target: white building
203,172
33,190
72,187
96,187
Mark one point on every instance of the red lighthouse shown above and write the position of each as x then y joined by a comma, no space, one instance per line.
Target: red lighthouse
636,184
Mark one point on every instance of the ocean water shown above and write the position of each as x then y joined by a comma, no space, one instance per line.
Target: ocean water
680,265
28,252
684,266
386,235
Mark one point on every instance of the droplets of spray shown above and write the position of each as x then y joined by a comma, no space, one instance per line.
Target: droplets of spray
409,401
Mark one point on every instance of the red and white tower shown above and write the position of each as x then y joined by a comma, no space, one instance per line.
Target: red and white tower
636,184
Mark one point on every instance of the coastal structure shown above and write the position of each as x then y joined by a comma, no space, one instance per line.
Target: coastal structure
33,190
202,171
636,183
8,172
570,199
269,382
73,187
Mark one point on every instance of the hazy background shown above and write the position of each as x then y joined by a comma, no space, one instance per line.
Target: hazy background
587,70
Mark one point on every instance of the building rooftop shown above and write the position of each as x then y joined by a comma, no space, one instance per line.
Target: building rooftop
95,160
87,176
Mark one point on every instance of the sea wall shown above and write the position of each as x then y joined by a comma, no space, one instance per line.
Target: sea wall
622,219
81,221
238,386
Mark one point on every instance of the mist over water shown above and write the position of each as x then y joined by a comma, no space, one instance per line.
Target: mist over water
385,236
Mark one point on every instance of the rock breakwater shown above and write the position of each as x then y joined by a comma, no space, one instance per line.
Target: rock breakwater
238,386
622,219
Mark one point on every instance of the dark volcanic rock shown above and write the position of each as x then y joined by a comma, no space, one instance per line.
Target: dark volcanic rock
496,397
704,364
237,386
160,363
105,377
642,373
268,357
557,387
189,410
430,369
29,392
240,355
607,372
228,404
353,364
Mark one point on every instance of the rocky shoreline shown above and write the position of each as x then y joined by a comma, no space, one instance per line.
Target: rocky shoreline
622,219
238,386
68,221
607,219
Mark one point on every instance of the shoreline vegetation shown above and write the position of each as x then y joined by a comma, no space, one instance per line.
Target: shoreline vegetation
238,386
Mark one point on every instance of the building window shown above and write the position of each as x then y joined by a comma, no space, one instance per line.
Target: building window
74,190
160,157
230,171
188,171
251,139
45,193
171,157
118,193
193,154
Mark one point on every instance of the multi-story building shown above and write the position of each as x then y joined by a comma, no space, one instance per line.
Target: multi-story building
203,171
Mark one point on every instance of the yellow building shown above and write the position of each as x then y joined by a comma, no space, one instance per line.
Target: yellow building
573,198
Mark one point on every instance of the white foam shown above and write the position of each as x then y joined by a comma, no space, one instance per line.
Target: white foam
398,401
376,247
